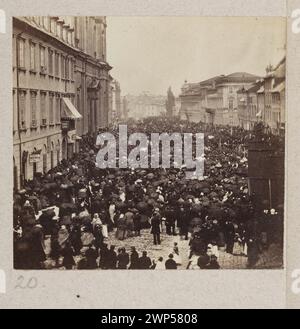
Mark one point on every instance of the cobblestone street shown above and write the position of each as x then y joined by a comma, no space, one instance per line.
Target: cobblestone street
271,258
145,242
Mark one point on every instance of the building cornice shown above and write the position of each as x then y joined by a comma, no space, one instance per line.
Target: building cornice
45,35
91,60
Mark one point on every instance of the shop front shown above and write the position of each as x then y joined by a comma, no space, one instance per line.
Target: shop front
69,117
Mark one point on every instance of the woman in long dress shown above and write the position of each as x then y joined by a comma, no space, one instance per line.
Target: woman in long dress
68,254
121,228
237,246
193,263
176,255
159,264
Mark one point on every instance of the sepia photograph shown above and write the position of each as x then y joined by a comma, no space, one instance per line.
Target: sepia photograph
148,143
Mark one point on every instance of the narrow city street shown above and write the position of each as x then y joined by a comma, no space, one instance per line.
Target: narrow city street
145,242
103,149
270,259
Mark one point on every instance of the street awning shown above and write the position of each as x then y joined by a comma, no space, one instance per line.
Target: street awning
261,89
70,111
279,88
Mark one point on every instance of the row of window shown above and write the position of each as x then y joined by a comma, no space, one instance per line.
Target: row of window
62,28
272,98
253,110
275,97
59,28
45,60
272,116
45,109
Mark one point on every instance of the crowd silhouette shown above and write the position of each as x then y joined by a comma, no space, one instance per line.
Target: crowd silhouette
68,214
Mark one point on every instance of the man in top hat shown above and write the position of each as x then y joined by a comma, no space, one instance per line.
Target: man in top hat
155,226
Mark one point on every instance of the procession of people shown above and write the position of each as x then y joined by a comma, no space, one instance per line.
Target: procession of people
69,214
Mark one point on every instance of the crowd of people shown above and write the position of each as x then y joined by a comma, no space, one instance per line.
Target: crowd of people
78,206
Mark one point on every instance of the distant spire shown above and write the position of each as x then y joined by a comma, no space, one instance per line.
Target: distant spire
170,103
269,68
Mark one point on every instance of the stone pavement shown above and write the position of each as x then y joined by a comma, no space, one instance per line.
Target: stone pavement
272,258
145,242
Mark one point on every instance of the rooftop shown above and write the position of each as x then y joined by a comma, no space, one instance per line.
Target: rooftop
236,77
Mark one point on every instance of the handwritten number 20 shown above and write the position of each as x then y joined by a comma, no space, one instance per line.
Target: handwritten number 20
23,283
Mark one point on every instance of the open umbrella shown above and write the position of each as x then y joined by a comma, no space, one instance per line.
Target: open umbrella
82,193
74,178
48,178
69,206
215,212
131,188
150,176
120,205
52,185
33,198
151,202
190,196
213,194
142,206
197,207
196,222
154,195
28,220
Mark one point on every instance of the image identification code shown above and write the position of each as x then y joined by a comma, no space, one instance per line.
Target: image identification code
150,318
171,318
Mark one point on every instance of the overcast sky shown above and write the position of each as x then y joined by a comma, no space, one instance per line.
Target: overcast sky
153,53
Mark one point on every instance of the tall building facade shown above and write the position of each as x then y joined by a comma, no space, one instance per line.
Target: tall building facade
274,95
248,110
91,73
214,101
60,88
264,100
